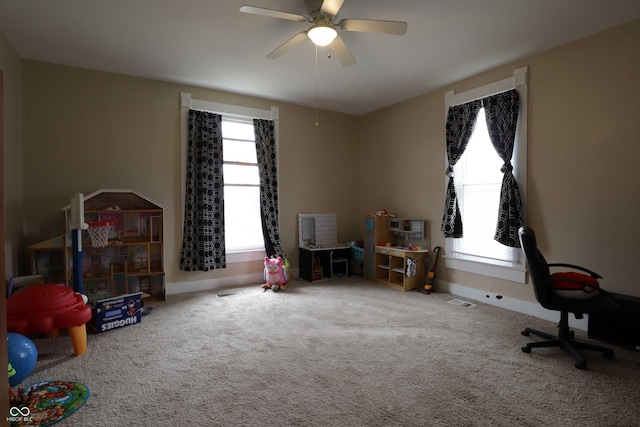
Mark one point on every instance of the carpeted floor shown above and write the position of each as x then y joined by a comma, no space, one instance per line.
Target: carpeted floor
346,352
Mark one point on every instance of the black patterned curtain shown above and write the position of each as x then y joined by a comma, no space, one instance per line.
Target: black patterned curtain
502,119
461,120
268,169
203,246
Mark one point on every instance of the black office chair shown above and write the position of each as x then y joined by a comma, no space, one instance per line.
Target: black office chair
567,292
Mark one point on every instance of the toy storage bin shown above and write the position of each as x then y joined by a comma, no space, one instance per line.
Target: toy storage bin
357,258
358,254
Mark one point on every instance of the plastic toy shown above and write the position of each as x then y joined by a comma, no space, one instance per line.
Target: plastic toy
275,274
431,275
44,309
23,355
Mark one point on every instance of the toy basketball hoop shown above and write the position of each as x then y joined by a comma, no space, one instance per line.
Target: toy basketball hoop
99,233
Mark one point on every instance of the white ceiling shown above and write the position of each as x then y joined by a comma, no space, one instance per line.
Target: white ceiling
211,44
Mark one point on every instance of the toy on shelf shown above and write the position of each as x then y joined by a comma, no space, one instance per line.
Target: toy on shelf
275,274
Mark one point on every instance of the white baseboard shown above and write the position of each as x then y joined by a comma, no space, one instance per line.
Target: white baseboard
513,304
219,283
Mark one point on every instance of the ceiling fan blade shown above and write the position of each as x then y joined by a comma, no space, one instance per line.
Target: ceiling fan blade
342,52
397,28
332,7
273,13
278,52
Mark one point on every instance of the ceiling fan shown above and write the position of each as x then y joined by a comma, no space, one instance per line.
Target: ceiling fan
323,17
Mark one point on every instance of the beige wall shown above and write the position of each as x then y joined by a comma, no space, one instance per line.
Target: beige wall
583,146
85,130
11,67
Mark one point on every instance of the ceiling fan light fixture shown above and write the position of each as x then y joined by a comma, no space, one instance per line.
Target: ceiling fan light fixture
322,35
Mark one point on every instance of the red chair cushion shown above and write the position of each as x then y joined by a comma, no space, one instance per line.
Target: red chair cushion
570,289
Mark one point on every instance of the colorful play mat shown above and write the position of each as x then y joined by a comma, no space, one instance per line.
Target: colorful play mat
49,402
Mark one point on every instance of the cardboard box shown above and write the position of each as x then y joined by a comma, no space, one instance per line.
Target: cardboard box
116,312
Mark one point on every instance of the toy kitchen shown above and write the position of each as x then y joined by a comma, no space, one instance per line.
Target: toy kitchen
321,257
395,252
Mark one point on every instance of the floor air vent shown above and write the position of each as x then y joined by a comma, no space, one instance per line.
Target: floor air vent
229,293
461,303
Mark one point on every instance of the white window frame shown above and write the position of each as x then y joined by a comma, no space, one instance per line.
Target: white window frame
512,271
227,110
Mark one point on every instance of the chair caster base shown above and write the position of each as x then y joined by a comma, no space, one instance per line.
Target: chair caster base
581,364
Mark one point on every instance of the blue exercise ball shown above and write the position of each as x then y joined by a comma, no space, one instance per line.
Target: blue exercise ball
22,357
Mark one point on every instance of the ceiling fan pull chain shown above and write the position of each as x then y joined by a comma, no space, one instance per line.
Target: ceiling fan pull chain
317,124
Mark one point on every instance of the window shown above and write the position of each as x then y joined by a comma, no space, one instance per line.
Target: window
243,227
478,180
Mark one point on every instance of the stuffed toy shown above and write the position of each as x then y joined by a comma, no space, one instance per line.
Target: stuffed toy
275,274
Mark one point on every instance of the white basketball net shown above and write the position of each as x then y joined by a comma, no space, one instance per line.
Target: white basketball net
99,235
